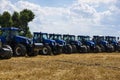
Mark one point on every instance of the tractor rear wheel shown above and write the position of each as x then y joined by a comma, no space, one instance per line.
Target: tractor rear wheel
20,50
83,49
102,48
6,52
67,49
59,49
88,49
97,49
74,48
110,48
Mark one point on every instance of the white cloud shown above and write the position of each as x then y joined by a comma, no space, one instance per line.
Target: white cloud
79,18
6,5
97,1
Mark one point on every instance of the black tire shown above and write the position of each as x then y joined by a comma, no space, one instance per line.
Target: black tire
74,49
118,48
110,48
67,49
83,49
88,49
20,50
102,48
46,50
6,52
59,49
97,49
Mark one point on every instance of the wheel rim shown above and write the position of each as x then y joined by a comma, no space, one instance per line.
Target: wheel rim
45,51
18,51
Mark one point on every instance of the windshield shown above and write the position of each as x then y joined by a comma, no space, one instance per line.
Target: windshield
44,36
101,38
59,37
98,38
111,38
72,38
7,33
87,38
65,38
51,36
81,38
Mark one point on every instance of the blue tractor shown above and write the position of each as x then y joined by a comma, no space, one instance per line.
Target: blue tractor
20,45
114,42
59,40
5,51
91,46
103,44
76,45
50,46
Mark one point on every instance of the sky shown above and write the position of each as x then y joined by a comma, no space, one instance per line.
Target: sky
78,17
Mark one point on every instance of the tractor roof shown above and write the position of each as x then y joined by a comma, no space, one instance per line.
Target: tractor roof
110,36
56,34
82,36
10,28
67,35
40,33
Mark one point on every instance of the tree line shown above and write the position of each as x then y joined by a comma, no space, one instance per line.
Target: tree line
17,19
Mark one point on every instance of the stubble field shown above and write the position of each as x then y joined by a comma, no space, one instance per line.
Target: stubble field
91,66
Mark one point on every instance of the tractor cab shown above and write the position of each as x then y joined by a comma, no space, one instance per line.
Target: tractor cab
57,38
20,44
100,40
76,45
114,42
40,37
111,39
85,40
50,44
11,35
105,46
70,39
91,47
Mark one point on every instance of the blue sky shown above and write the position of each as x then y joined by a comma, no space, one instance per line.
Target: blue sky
79,17
50,3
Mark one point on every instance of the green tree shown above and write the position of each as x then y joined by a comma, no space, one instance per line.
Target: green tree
16,19
6,20
25,17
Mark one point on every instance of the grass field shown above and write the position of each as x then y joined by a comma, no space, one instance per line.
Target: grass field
102,66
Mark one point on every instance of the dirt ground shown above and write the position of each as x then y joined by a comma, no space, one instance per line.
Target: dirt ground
91,66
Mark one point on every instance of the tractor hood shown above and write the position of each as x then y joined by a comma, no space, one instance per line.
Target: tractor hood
114,42
103,42
21,39
61,42
48,41
76,42
91,43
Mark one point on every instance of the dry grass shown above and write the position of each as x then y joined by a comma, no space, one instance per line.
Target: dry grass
62,67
